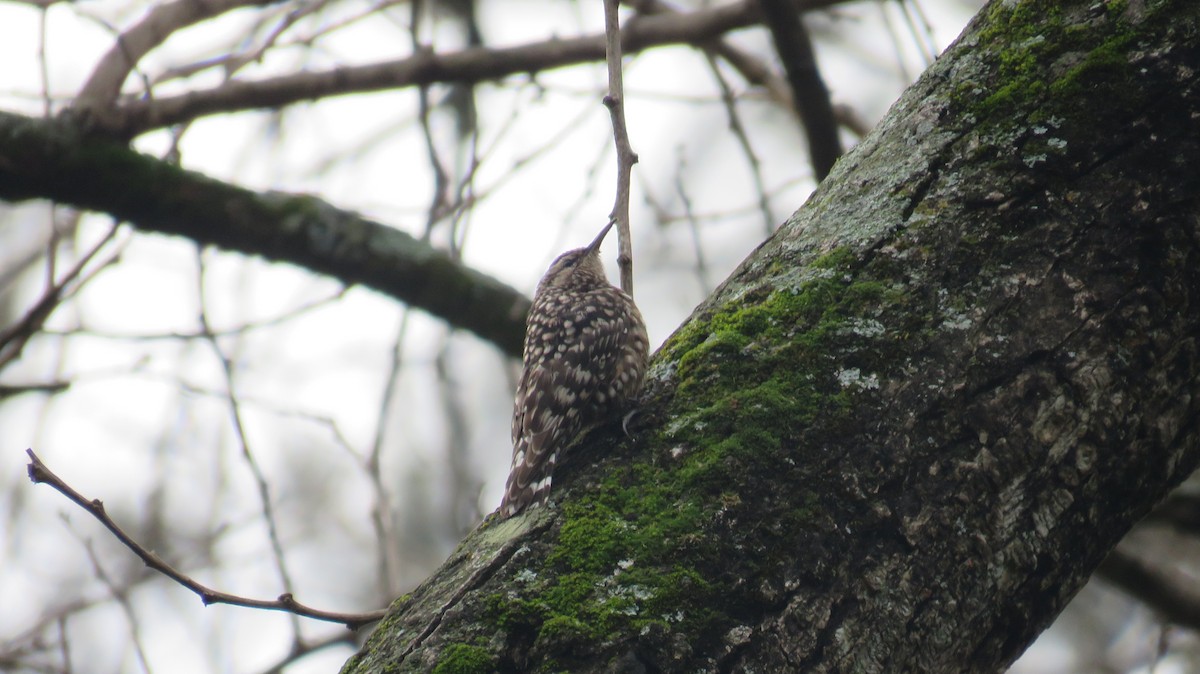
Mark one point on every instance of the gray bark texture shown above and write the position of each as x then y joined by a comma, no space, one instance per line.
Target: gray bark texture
907,429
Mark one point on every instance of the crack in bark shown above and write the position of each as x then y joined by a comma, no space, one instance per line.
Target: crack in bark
838,613
476,579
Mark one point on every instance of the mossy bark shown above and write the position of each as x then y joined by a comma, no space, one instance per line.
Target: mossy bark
902,435
55,159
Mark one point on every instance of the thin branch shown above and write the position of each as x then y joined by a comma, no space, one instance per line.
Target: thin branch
758,73
235,410
40,474
913,15
10,390
104,84
121,595
685,201
626,157
465,485
471,65
249,48
236,331
64,645
439,202
739,132
750,66
302,648
383,519
44,74
15,337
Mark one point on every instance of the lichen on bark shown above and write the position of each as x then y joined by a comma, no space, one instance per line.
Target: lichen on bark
904,431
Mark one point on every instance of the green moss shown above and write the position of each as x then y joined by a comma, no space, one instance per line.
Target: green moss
464,659
561,629
510,613
840,258
590,543
1045,51
1105,66
637,551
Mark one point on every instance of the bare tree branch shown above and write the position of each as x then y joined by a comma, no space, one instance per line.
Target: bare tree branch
104,84
743,139
1181,511
469,65
40,474
1173,597
53,160
14,337
626,157
758,73
10,390
811,97
248,455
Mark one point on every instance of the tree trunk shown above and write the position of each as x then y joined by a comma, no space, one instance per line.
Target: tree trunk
902,435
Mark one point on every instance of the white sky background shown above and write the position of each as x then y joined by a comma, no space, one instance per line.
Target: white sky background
146,426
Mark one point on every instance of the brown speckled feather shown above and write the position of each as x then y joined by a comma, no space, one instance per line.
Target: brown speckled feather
584,361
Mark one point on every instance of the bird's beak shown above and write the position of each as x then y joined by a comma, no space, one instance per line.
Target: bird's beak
595,244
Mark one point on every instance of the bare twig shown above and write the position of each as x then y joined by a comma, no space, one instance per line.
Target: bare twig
40,474
739,132
121,595
693,226
235,331
750,66
626,157
758,73
923,33
44,70
465,486
474,64
104,84
383,520
10,390
14,337
439,203
64,646
235,409
304,647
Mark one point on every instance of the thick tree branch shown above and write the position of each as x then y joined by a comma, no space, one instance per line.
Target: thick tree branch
53,160
758,73
1181,512
1172,596
808,89
469,65
911,425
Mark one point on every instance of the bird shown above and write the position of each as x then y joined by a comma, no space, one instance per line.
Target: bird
584,361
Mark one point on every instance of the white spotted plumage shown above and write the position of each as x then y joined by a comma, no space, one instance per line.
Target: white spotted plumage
584,360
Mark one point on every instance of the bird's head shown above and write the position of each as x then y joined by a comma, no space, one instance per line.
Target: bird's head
579,268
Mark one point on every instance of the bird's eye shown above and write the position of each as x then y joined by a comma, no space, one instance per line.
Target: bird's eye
567,261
